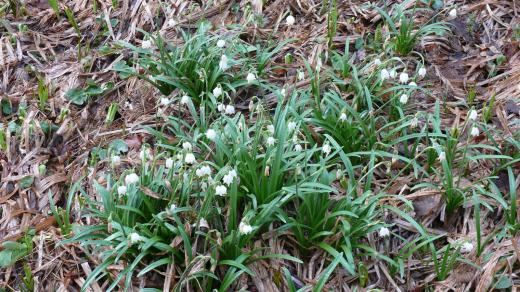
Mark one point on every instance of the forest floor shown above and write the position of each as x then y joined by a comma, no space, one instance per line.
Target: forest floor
68,107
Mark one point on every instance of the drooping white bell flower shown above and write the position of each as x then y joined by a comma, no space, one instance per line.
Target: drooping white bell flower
383,232
221,43
223,64
290,20
187,146
146,44
217,91
145,153
244,228
134,237
221,190
172,23
121,190
165,101
185,99
230,110
403,78
326,149
270,141
115,159
211,134
453,13
475,132
227,179
343,117
189,158
473,115
385,75
250,77
442,156
131,178
466,247
169,163
403,99
221,107
422,72
291,126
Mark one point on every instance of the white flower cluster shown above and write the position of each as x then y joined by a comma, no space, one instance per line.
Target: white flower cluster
227,109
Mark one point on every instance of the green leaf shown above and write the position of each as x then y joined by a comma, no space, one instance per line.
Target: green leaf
26,182
76,96
119,146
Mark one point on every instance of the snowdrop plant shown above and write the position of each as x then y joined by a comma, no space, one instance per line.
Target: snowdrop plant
201,64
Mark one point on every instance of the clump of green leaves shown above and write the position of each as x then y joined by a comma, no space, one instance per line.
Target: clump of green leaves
404,38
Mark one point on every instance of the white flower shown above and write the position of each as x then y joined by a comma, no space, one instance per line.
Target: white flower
270,128
169,163
393,73
204,170
221,107
245,228
187,146
250,77
171,209
172,23
473,115
115,159
282,92
134,237
230,110
475,132
377,62
131,179
403,78
203,223
290,20
211,134
185,99
121,190
301,75
217,91
326,149
403,99
165,101
189,158
466,247
383,232
414,122
343,117
291,126
442,156
221,43
227,179
453,13
233,173
298,148
422,72
146,44
413,84
221,190
223,64
385,74
270,141
145,153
